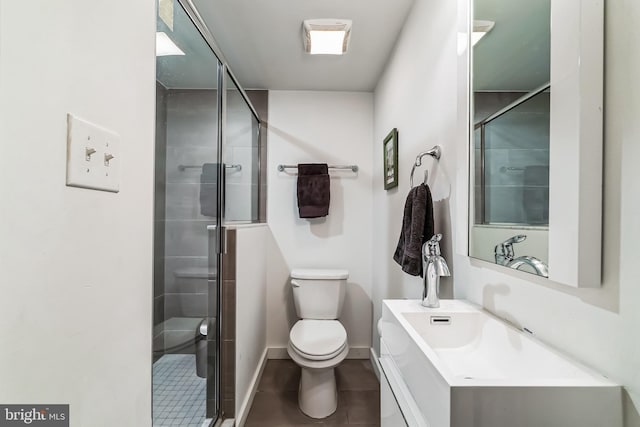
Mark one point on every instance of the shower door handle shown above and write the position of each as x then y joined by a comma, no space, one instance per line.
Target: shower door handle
223,240
217,242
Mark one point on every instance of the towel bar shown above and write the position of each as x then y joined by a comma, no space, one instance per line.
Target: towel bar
182,168
353,168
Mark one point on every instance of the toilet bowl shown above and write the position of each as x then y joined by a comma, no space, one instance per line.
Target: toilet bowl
318,342
317,346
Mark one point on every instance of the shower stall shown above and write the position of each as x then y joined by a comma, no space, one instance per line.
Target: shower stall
510,178
207,174
512,159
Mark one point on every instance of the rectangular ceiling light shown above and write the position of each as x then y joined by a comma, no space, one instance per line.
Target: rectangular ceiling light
326,36
165,46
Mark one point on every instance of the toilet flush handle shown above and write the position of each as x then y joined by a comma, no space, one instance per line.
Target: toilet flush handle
295,284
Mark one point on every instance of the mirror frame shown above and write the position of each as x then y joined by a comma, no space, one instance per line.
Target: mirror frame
576,135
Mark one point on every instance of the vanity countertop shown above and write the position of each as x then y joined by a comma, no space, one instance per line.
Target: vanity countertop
459,361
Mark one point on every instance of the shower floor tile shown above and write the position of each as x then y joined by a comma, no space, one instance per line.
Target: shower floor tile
179,395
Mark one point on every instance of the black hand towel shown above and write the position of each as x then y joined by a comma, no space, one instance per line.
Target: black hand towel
313,190
417,228
208,189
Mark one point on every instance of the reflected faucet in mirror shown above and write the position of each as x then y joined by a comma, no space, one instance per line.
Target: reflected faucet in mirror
504,251
434,267
505,255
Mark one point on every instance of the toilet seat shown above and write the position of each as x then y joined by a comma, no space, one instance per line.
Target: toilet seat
318,339
306,363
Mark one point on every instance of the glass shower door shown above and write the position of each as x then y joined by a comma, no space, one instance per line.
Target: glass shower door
187,225
241,153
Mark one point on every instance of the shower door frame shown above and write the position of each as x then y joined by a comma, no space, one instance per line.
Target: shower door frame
218,240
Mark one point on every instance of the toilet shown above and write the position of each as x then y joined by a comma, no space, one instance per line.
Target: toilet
318,341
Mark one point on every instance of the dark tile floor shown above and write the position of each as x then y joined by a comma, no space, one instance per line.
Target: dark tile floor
276,402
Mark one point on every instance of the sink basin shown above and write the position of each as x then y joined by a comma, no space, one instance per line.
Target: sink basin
465,367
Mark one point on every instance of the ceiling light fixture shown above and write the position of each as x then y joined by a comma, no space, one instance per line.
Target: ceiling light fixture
326,36
480,29
165,46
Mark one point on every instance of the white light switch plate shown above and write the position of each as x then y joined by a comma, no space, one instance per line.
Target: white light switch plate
93,156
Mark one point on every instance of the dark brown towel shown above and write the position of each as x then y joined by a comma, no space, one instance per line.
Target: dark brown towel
417,228
209,189
313,190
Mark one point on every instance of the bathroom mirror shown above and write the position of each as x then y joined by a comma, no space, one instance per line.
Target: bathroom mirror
535,113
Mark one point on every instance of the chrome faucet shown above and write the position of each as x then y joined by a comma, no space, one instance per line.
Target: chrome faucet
539,266
505,255
433,267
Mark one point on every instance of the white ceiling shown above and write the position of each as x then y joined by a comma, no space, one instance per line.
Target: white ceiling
262,41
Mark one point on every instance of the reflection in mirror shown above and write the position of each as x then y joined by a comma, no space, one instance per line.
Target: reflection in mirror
511,127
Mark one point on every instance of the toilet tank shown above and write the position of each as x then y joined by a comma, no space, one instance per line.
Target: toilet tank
318,294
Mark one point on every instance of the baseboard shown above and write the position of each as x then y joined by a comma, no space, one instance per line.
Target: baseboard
243,412
277,353
358,353
354,353
375,362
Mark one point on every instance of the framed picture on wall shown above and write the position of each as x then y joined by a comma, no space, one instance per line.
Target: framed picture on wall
390,163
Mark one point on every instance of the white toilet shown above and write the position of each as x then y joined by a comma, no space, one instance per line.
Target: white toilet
318,342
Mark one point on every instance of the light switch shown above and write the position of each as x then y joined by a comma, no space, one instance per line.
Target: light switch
93,156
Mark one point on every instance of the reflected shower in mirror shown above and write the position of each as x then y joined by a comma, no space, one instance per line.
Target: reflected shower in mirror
511,133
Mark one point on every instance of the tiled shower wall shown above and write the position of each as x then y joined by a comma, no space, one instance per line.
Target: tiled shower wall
516,159
192,129
260,101
241,148
188,141
228,348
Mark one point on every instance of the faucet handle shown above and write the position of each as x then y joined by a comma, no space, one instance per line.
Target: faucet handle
434,245
516,239
506,248
435,238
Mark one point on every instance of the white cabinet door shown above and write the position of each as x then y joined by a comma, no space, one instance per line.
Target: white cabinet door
390,413
397,406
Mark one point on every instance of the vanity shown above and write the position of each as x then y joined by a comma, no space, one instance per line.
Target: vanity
460,366
530,114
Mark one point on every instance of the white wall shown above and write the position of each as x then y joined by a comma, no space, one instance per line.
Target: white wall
251,310
332,127
75,311
416,94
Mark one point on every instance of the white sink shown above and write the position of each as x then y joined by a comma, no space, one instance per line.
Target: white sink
465,367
